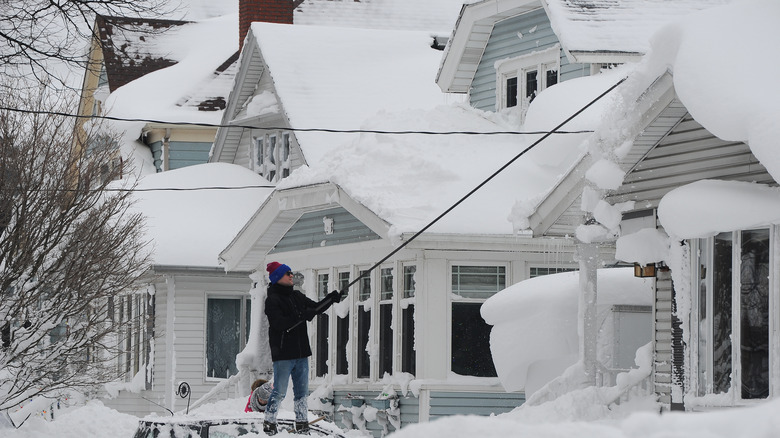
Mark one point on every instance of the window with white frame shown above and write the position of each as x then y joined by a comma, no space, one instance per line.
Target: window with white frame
470,334
323,324
342,331
408,354
733,296
134,314
386,321
538,271
519,80
272,153
227,328
363,369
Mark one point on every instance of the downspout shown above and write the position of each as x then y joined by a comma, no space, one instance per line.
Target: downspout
166,149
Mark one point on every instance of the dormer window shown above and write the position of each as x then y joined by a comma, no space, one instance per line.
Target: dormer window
519,80
272,155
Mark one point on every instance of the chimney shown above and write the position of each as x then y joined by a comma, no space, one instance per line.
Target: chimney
270,11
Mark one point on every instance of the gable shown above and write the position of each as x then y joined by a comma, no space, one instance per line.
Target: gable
310,231
687,152
513,37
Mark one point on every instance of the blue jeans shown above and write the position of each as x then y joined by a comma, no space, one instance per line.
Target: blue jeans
298,369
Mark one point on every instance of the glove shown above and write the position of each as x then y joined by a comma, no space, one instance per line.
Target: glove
335,296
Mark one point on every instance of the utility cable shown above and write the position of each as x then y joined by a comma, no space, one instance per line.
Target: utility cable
345,290
272,128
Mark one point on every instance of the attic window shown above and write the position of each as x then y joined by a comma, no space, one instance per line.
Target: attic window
519,80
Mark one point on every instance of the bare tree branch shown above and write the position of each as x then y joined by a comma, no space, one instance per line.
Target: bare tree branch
68,247
39,36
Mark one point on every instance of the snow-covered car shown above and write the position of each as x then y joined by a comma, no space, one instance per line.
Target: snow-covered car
178,427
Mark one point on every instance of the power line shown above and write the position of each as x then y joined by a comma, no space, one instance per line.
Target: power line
363,274
272,128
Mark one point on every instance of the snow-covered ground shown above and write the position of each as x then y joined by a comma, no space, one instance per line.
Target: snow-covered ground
577,415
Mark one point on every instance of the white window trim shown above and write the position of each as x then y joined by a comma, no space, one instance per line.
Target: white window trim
774,321
516,67
454,298
242,324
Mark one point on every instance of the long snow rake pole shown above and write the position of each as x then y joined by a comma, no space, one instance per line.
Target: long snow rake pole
345,290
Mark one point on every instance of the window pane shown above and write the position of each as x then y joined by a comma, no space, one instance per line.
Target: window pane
223,327
386,284
511,92
408,355
470,342
285,147
552,78
409,272
271,149
364,361
248,319
721,313
322,344
259,152
703,330
530,85
537,271
342,331
754,303
385,339
365,286
478,281
322,285
342,337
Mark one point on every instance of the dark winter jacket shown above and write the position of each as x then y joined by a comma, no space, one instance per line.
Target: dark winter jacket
286,307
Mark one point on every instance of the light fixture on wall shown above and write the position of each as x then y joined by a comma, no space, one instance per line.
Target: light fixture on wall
647,270
328,223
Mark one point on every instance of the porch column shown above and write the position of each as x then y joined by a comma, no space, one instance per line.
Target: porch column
588,258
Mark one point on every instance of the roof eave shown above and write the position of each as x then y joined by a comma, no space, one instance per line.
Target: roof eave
469,39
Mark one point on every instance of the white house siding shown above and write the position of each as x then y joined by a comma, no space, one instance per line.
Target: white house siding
505,43
434,259
191,287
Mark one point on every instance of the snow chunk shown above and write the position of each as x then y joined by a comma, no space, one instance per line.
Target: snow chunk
708,207
648,245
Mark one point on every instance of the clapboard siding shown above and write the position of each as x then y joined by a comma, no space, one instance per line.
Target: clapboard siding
662,343
683,152
309,231
537,35
187,153
445,404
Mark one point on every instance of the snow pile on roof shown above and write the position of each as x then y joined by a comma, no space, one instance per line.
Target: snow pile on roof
190,227
616,25
693,49
328,77
408,180
200,48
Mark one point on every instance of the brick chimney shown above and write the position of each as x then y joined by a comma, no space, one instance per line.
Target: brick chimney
270,11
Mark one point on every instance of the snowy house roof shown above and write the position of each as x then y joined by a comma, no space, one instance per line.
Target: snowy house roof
128,46
615,26
135,47
431,15
195,79
589,30
666,86
331,78
398,184
213,201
